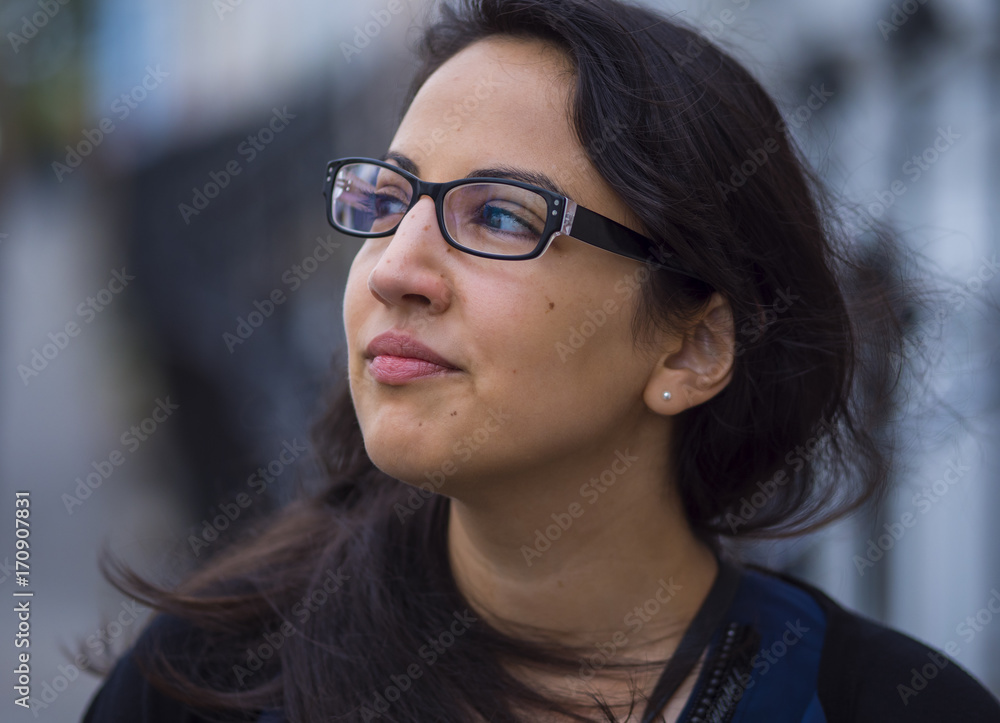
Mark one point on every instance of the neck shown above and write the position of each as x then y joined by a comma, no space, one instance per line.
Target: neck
609,561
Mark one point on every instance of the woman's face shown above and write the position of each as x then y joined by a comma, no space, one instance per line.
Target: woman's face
545,365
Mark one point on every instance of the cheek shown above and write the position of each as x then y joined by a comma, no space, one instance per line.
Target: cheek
545,357
567,379
356,296
586,328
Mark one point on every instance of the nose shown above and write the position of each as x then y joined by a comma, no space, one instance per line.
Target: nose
409,274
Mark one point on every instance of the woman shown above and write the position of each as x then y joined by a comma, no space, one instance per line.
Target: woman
579,358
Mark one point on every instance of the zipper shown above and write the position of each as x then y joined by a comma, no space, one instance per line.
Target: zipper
722,686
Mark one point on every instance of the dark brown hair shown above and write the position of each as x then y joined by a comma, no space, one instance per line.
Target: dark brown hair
787,446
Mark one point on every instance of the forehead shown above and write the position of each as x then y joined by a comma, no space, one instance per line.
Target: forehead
501,101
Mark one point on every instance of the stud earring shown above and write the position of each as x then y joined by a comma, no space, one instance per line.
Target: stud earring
666,396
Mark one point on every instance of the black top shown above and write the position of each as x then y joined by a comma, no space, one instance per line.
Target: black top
784,652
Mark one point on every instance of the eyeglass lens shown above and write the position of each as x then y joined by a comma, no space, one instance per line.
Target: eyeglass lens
495,218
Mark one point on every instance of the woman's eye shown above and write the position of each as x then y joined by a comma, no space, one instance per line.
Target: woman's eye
388,204
504,220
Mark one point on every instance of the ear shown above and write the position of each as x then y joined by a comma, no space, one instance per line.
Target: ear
698,365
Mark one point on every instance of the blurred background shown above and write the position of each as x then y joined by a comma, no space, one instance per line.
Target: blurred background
170,292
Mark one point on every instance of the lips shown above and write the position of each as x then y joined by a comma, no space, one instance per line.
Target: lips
396,344
396,358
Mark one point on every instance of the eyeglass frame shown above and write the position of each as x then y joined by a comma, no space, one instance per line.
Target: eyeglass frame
563,217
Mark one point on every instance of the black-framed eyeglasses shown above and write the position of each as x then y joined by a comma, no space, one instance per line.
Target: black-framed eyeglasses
495,218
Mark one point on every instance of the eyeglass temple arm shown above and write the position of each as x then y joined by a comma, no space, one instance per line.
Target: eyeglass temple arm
597,230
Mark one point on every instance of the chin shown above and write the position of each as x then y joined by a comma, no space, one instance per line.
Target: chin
414,464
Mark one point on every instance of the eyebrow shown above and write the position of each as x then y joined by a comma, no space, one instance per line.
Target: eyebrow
512,173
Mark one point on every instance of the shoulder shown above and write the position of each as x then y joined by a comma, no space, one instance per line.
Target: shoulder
126,694
870,672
